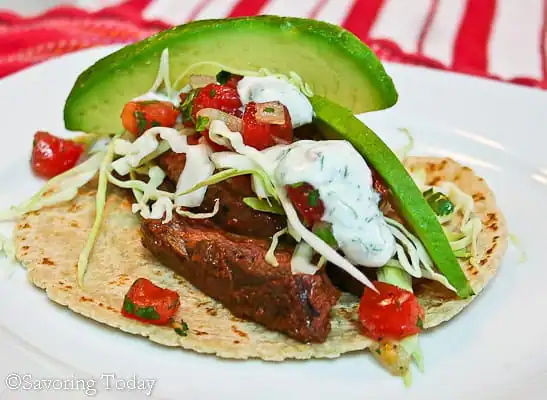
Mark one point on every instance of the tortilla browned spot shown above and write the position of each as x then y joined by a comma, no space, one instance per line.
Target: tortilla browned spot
119,258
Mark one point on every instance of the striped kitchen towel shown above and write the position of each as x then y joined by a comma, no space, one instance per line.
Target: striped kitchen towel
499,39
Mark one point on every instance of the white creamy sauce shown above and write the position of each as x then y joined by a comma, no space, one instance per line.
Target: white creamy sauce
344,182
269,88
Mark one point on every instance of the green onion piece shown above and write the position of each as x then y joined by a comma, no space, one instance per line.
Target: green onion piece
263,205
440,203
100,203
323,230
223,77
202,123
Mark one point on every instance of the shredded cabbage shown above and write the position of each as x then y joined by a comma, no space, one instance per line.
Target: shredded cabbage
146,147
403,153
228,159
470,226
270,255
192,215
90,139
420,264
6,247
301,260
198,168
163,78
63,187
162,205
461,200
516,242
100,202
140,186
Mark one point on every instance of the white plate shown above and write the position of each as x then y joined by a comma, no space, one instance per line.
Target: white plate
495,349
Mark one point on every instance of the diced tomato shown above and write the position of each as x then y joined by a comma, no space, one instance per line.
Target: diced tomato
379,185
394,313
149,303
261,135
193,140
138,116
220,97
305,199
52,155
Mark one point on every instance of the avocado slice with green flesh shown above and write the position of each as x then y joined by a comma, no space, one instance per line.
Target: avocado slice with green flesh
330,59
338,122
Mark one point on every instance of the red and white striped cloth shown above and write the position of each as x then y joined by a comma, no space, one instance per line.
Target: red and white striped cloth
501,39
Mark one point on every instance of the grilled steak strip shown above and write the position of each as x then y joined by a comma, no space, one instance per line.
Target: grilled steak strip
232,269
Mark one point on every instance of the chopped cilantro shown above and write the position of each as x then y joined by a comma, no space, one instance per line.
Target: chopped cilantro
269,110
378,351
128,306
212,93
181,329
420,323
223,77
313,198
202,123
297,185
186,107
148,313
140,118
154,124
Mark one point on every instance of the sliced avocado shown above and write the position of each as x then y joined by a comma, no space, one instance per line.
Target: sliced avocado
338,122
330,59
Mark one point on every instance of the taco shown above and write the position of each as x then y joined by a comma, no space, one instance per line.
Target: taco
242,212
